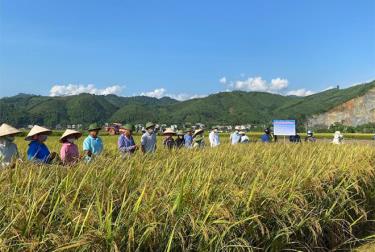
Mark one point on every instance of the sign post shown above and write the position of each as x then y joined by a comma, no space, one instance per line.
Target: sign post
284,128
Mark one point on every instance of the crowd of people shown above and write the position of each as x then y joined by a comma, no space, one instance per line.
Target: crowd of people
93,145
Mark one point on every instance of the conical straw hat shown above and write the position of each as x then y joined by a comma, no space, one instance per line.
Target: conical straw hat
6,130
70,132
197,131
169,131
37,130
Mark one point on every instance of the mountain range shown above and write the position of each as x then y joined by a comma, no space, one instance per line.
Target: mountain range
236,107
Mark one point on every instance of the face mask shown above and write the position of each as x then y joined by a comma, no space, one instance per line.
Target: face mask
42,138
71,140
9,138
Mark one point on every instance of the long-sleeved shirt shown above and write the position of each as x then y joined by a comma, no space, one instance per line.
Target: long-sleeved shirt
38,152
235,137
8,151
93,145
188,141
214,139
148,142
69,153
126,145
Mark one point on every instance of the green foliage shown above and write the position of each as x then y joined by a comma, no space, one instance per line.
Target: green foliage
223,108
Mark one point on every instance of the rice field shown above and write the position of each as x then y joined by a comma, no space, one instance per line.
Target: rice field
255,197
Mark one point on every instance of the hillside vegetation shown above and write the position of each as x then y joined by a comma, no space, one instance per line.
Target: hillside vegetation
235,107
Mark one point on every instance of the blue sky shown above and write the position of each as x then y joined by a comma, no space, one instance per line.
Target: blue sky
184,48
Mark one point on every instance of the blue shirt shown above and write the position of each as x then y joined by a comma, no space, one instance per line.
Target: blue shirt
235,138
95,145
265,138
38,152
188,141
126,145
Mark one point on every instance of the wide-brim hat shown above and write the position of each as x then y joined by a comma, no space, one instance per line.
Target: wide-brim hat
198,131
188,130
70,132
6,130
94,126
128,126
169,131
37,130
242,133
237,128
149,125
180,133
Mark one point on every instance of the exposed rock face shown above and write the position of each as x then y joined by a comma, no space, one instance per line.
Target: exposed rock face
354,112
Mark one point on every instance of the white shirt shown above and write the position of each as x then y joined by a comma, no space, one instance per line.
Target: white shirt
245,139
214,139
8,151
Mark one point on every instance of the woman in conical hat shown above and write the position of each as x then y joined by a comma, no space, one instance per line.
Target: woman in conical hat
69,150
38,151
8,149
198,141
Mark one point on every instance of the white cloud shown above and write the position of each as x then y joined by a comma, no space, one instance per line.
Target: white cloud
223,80
157,93
300,92
279,84
258,84
162,92
72,89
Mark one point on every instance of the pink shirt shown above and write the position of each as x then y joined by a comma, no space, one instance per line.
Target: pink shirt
69,153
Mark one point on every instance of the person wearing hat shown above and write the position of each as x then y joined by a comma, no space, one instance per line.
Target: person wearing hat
244,138
310,137
93,144
188,138
38,151
235,137
198,141
266,137
180,141
169,142
214,137
126,144
338,138
69,153
148,140
8,149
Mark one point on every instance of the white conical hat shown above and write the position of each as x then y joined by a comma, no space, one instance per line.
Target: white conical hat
6,130
197,131
70,132
37,130
169,131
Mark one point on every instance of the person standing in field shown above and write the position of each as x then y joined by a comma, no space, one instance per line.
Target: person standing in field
37,150
266,137
188,138
69,153
148,140
214,137
235,137
198,141
180,141
310,137
8,149
338,138
126,143
93,144
244,138
169,142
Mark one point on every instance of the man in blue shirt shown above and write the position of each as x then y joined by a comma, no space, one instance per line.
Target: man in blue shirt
126,143
38,151
188,138
266,137
92,145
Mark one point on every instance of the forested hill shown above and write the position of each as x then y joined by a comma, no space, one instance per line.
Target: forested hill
235,107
